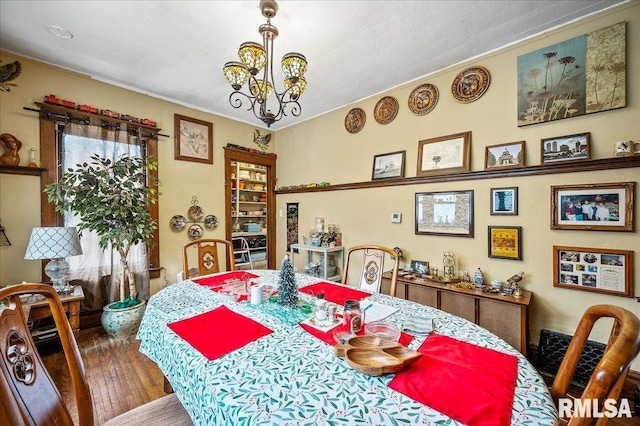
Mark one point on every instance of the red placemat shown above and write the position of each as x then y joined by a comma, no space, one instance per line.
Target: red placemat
219,331
221,278
335,293
470,384
327,336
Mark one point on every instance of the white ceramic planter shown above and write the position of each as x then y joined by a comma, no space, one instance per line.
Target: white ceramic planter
122,322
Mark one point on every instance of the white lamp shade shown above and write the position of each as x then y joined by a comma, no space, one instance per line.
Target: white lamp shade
53,243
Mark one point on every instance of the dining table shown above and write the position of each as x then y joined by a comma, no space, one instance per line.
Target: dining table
233,362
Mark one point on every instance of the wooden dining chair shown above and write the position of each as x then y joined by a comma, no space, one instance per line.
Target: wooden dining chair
29,396
209,255
611,372
371,259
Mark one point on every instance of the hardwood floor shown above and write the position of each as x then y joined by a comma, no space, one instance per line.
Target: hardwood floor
121,378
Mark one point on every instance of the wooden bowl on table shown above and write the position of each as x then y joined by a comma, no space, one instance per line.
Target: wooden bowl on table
375,356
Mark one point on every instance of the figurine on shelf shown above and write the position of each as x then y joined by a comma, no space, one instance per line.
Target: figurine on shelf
32,158
11,145
478,278
513,284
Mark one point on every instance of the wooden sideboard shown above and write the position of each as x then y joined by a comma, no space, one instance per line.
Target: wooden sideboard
505,316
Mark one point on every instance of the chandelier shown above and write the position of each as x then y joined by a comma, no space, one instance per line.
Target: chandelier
256,58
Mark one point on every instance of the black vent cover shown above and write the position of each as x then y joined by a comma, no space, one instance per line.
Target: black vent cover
553,346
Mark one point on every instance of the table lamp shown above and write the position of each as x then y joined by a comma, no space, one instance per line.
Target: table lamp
54,243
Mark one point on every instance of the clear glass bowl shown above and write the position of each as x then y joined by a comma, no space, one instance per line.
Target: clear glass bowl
383,330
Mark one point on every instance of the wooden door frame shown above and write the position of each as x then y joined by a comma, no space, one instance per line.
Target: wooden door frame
269,161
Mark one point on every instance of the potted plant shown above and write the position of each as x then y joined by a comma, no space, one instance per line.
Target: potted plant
112,198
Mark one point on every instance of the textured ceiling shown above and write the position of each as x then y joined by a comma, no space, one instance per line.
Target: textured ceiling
175,50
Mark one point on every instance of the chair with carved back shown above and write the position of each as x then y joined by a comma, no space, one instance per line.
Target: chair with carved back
610,373
210,254
371,259
28,395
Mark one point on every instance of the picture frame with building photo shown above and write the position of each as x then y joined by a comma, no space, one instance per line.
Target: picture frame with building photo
568,148
593,207
504,201
387,166
504,156
597,270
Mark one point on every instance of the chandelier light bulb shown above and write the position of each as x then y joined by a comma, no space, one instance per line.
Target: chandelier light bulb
294,64
295,88
236,74
253,56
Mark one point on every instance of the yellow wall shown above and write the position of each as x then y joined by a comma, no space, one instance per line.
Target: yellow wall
322,150
180,180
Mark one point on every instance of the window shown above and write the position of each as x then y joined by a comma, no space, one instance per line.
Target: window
64,144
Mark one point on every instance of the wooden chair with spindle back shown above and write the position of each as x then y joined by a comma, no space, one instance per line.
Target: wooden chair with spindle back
28,395
611,372
208,256
372,258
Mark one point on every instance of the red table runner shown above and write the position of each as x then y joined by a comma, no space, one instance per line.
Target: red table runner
221,278
470,384
334,293
219,331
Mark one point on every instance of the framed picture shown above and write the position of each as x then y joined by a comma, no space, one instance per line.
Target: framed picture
591,269
445,154
420,266
389,165
553,84
445,213
504,201
193,139
504,156
565,148
593,207
505,242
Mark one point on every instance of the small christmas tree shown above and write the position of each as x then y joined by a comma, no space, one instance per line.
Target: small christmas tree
287,287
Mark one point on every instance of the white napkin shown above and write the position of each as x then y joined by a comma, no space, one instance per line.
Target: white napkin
418,326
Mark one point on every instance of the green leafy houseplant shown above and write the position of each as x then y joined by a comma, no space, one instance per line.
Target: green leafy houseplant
111,198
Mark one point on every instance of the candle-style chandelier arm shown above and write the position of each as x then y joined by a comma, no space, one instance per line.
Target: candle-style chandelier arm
256,59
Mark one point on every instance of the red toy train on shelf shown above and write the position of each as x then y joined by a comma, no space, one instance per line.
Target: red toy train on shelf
54,100
51,99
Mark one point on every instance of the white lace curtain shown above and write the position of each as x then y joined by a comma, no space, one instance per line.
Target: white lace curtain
98,270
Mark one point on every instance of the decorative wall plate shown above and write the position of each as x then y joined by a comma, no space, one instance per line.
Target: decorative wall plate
470,84
195,212
210,221
355,119
195,231
423,99
178,222
386,110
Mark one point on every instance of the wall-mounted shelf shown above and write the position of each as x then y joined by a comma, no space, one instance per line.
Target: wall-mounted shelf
22,170
547,169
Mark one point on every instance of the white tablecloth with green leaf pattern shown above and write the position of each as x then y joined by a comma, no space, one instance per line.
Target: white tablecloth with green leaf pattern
292,378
